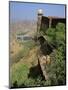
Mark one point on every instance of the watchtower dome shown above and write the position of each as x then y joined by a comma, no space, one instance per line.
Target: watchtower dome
40,12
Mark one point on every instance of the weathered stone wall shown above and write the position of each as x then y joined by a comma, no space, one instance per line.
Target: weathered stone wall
55,21
44,22
47,22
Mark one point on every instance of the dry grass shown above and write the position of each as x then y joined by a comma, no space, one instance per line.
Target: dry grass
31,58
15,47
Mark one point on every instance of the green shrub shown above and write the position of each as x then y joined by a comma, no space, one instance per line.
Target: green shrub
19,73
56,70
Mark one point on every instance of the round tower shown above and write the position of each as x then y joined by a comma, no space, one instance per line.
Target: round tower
40,14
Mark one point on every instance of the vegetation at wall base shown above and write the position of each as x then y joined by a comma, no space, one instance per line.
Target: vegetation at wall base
56,70
24,74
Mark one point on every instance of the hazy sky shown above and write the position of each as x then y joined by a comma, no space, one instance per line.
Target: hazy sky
21,11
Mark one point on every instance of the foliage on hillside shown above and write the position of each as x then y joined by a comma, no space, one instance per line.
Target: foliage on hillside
25,75
56,70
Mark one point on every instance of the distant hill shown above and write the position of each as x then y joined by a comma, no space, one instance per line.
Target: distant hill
22,26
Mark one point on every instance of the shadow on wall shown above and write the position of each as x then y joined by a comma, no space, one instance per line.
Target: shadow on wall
45,48
35,72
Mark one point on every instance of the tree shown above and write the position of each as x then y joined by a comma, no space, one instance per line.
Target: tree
56,70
